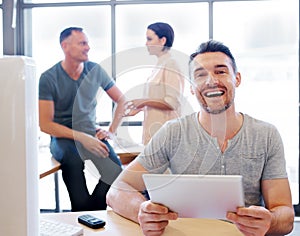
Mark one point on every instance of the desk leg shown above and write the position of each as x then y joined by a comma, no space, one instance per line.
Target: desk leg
56,189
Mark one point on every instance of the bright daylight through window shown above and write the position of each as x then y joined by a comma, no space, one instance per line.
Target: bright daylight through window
264,36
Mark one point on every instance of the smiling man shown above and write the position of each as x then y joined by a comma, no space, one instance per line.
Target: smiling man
217,140
212,82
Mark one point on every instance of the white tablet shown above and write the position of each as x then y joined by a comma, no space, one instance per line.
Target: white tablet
196,196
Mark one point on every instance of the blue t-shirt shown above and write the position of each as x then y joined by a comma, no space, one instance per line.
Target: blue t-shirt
74,100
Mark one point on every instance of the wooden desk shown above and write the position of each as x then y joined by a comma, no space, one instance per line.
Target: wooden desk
128,154
119,226
126,157
47,166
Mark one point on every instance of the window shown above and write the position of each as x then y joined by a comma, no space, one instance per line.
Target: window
262,34
187,38
45,39
267,52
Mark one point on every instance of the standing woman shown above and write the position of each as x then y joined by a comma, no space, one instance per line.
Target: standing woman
164,87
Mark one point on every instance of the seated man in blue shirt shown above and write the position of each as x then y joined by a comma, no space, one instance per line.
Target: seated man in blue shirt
217,140
67,112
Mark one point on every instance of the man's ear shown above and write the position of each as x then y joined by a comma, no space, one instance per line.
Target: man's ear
63,45
238,79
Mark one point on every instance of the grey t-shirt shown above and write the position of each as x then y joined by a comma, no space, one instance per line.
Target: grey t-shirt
255,152
74,100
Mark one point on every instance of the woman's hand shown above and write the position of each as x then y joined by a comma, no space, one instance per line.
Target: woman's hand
132,107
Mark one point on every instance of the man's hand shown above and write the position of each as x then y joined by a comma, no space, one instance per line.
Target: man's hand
94,145
153,218
254,220
102,134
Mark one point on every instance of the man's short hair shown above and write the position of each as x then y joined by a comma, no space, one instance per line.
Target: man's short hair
213,46
67,32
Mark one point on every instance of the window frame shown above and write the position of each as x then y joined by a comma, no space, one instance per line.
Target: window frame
14,37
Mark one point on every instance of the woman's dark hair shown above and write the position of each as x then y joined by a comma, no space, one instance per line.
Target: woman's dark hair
214,46
67,32
163,30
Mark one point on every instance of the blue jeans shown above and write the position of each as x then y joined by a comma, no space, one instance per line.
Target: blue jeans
71,155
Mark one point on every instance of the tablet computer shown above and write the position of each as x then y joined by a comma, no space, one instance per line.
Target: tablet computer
196,196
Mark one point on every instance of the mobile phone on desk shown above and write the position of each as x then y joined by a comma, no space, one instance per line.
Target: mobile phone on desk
91,221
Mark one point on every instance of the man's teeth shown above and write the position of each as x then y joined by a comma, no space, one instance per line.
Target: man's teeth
214,94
